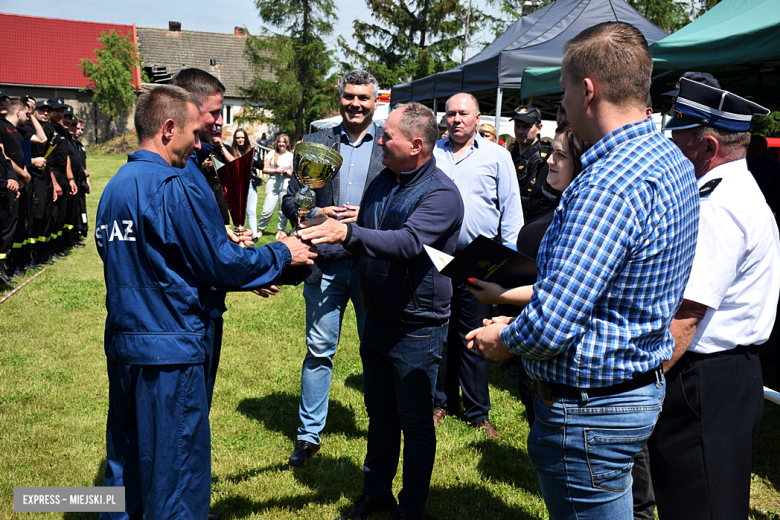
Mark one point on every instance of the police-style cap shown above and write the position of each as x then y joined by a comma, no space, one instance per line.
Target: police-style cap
68,110
56,103
443,122
3,94
42,103
701,77
527,114
699,104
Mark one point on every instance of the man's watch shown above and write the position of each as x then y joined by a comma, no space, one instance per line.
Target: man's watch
71,178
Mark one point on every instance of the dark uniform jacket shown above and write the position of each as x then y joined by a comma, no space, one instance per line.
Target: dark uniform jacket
536,195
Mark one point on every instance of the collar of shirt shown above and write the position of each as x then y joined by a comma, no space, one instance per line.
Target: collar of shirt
368,136
615,138
474,144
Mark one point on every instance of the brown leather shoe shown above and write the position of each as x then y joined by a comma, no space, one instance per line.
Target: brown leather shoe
489,429
438,415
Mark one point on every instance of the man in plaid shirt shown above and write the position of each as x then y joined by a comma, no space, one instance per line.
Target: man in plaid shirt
612,270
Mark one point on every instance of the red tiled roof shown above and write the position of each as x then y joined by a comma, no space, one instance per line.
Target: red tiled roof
53,59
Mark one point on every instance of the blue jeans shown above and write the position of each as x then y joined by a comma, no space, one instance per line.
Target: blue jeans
325,306
399,374
583,451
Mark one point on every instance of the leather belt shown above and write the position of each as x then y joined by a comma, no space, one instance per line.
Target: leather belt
549,390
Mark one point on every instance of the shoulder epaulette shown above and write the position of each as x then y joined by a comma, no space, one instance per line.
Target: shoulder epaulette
709,187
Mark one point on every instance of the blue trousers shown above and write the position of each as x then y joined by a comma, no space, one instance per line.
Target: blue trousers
583,451
399,374
325,306
158,438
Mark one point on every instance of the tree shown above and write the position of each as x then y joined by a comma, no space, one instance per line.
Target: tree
409,41
111,75
511,11
768,126
298,58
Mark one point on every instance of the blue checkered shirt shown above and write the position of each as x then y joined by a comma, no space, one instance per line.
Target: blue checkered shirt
613,264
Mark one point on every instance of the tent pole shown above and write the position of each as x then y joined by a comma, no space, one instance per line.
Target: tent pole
435,107
499,93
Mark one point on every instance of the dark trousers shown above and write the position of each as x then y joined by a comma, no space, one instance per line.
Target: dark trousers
700,452
642,486
460,367
214,337
82,226
399,373
8,229
24,223
41,206
60,213
72,211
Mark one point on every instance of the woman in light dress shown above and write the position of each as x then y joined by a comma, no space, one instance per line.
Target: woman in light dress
278,167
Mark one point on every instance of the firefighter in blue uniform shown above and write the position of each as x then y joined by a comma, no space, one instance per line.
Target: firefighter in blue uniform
164,247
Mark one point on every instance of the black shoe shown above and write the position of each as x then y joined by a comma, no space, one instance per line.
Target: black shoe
304,450
79,245
367,505
212,516
4,278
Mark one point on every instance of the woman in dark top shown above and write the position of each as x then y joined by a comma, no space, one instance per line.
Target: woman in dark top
242,145
564,165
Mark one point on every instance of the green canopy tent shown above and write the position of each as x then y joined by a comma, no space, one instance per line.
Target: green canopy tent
736,41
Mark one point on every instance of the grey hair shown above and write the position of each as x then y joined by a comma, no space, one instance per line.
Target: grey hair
417,120
199,83
734,143
160,104
359,77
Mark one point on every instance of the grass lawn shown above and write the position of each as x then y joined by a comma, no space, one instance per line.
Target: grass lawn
53,402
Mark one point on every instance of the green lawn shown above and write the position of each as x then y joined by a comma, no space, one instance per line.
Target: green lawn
53,401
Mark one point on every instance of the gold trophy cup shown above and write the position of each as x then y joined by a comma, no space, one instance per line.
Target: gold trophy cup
314,165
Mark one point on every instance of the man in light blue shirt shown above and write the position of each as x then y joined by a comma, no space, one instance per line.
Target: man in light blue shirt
332,284
485,175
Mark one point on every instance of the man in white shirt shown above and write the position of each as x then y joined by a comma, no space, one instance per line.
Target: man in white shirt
700,451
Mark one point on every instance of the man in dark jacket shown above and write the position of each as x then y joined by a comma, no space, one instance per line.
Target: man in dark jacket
332,284
411,203
530,159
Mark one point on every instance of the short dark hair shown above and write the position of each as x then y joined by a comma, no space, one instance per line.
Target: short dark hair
577,146
199,83
417,120
160,104
359,77
617,56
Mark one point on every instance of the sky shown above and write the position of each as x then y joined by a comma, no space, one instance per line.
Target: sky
195,15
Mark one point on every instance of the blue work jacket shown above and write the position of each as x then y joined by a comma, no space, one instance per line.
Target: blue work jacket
163,249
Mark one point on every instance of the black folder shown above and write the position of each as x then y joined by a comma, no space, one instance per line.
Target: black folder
486,260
